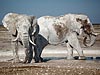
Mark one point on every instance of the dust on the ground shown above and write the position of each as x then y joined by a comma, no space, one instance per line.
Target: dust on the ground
52,67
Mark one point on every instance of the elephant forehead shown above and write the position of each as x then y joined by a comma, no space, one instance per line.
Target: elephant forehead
23,24
13,20
23,28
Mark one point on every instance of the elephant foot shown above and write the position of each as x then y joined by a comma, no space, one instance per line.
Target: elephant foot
82,57
27,60
15,60
38,60
41,59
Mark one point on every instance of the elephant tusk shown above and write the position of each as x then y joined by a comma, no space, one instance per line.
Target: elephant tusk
31,42
14,40
33,32
95,34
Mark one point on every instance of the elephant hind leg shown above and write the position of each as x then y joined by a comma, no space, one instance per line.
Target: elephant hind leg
41,43
74,42
37,56
69,51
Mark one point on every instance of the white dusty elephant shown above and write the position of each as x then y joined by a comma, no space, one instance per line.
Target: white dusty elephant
65,28
19,25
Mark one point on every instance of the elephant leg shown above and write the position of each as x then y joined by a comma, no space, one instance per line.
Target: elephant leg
41,42
36,54
15,51
29,54
40,52
26,57
70,51
74,42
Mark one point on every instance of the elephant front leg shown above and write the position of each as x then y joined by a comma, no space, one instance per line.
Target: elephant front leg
29,54
69,51
26,55
15,51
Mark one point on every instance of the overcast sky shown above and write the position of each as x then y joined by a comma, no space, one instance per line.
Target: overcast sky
51,7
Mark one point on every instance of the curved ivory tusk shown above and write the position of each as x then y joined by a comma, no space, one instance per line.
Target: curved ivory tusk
31,41
14,40
95,34
33,32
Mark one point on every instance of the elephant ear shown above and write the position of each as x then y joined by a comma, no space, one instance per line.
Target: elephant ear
33,33
34,28
9,22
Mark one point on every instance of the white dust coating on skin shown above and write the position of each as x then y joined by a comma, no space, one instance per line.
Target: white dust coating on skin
55,29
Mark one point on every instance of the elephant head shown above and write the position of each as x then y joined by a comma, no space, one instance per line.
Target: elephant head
18,25
88,32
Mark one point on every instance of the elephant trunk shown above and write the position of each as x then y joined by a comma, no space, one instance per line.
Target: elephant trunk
89,40
31,42
19,38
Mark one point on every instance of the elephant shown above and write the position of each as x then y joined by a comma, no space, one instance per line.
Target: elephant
19,26
65,28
